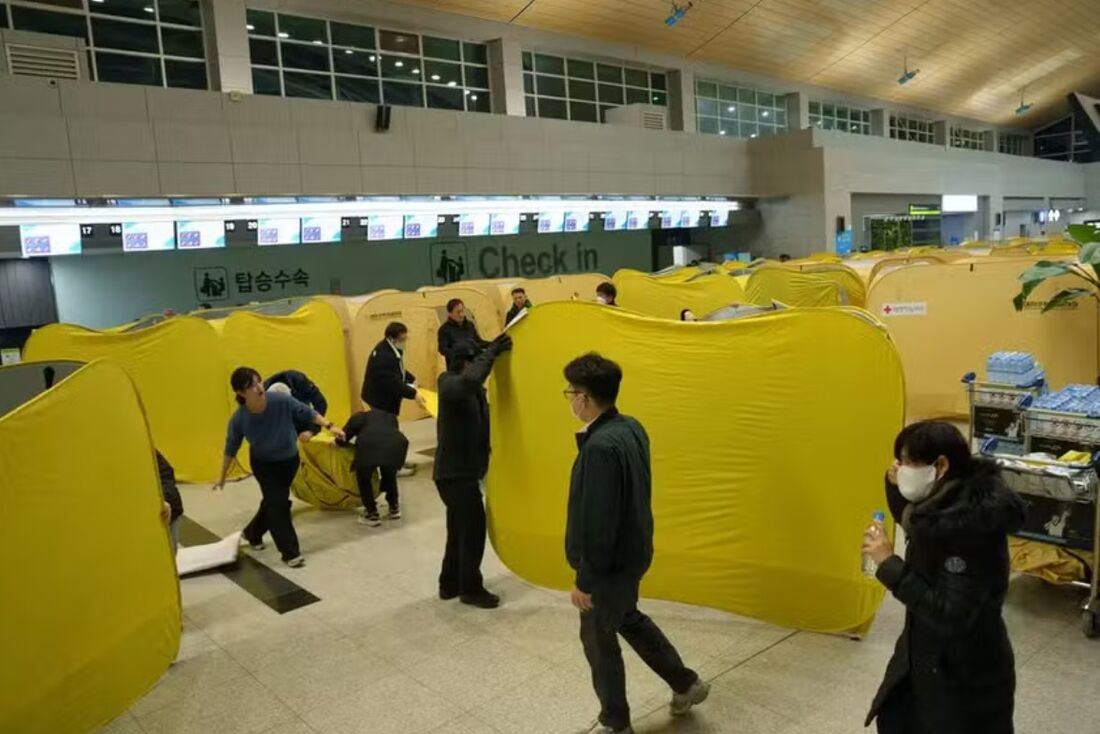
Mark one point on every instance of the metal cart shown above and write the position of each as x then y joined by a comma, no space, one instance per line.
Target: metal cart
997,412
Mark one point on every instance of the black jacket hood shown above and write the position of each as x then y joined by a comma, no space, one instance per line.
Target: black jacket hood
977,502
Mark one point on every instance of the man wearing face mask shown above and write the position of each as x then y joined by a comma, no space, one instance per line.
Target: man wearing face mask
386,382
953,670
609,544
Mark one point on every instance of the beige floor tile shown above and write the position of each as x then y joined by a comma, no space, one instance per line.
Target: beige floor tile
552,702
394,705
727,710
467,725
124,724
240,705
294,726
190,679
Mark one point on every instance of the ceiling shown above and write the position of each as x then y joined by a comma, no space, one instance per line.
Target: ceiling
974,55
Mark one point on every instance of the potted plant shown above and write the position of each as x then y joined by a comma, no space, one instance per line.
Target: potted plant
1086,269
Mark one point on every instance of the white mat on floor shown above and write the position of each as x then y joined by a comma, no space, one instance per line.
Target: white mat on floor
195,558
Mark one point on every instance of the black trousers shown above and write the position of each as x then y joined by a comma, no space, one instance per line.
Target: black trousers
461,573
364,475
274,478
614,613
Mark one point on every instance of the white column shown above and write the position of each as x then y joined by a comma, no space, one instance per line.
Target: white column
880,123
227,45
506,77
681,100
798,111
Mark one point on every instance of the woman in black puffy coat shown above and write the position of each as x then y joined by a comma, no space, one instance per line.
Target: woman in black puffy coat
953,670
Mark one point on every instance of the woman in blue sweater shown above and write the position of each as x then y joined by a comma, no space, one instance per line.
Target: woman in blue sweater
267,420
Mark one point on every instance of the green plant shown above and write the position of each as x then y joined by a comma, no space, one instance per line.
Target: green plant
1086,269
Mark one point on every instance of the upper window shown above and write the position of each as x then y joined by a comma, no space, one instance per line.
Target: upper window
297,56
579,89
738,111
910,128
154,42
1012,144
829,116
967,139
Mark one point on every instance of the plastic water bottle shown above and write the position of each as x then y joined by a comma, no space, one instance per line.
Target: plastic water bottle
869,566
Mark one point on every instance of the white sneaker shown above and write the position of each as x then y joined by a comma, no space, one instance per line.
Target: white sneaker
407,471
254,546
682,702
370,519
599,728
296,562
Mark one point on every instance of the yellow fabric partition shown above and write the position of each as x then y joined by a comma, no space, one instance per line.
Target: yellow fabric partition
484,309
844,276
661,298
788,286
91,610
180,373
947,319
679,275
497,290
760,492
892,263
325,478
557,288
311,340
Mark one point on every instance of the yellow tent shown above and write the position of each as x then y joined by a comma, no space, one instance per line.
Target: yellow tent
659,297
788,286
854,291
761,491
91,609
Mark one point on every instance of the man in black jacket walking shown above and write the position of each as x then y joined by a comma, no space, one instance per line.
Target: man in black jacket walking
379,444
609,543
386,382
461,461
456,330
520,303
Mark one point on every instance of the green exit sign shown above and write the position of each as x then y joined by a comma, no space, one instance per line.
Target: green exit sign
924,210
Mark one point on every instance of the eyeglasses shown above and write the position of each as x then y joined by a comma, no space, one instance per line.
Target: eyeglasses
569,393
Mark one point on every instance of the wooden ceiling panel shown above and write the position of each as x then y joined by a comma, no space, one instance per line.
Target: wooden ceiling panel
974,55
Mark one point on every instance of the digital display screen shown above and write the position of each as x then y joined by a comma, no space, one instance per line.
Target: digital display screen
473,225
551,222
421,225
192,235
614,220
576,221
637,220
385,227
667,218
504,223
44,240
322,229
271,232
159,236
718,219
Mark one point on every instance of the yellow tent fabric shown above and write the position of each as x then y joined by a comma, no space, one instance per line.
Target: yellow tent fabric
325,478
788,286
848,279
658,297
91,610
892,263
947,319
579,287
180,373
760,494
679,275
1051,563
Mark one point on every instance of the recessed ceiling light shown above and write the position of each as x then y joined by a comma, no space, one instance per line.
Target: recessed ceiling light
318,43
148,9
399,64
98,1
753,135
249,26
473,96
372,57
765,113
452,84
435,77
416,71
284,34
721,132
348,51
731,108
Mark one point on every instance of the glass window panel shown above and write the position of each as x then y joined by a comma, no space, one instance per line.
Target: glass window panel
76,4
746,113
3,16
266,81
401,67
583,111
125,9
636,78
660,98
582,69
350,61
297,28
186,74
554,108
727,112
528,61
357,90
781,118
45,21
765,130
842,125
477,101
262,52
582,90
445,98
356,36
551,85
609,74
529,83
658,81
705,106
127,69
550,64
610,93
765,100
406,43
442,48
123,35
532,107
727,94
477,76
708,125
304,56
440,72
262,23
178,42
748,96
828,110
828,123
180,12
765,115
749,130
399,93
311,86
634,95
475,53
815,108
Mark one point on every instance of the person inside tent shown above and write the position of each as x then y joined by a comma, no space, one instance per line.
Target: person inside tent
173,504
606,293
784,258
520,303
379,446
688,315
297,385
456,330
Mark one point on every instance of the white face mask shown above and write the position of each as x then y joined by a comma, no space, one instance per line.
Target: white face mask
573,408
601,299
916,482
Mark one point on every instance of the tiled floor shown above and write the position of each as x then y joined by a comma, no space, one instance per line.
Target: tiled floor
381,654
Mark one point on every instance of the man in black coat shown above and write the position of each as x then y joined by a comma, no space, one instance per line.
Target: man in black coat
609,543
379,444
461,461
457,329
520,303
172,500
302,389
386,382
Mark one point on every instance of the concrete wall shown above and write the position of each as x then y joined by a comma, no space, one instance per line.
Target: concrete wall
1092,188
788,173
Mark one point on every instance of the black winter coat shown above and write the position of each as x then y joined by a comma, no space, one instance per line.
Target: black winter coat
954,653
452,333
168,488
462,427
384,383
302,389
515,311
378,440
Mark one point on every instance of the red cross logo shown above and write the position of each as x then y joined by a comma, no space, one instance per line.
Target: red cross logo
887,309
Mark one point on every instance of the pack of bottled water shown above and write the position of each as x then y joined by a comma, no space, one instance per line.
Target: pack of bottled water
1014,368
1080,399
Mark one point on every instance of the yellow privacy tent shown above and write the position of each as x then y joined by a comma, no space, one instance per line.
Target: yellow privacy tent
760,494
91,607
311,340
180,373
786,285
665,299
853,290
947,319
